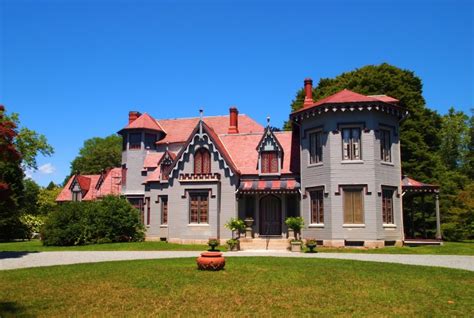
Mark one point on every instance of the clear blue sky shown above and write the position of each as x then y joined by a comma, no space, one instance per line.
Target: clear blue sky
73,69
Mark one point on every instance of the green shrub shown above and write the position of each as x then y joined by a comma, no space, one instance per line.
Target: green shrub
452,232
295,223
111,219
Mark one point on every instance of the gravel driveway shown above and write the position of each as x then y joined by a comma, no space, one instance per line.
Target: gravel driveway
13,260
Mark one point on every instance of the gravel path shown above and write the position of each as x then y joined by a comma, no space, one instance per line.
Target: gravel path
13,260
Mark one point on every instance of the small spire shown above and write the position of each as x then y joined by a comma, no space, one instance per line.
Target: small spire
268,120
167,144
201,111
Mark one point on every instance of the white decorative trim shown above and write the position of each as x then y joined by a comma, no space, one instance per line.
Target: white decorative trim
198,224
316,225
213,150
389,226
353,225
352,161
387,163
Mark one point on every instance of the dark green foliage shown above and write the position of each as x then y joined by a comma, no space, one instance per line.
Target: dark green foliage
11,182
112,219
98,154
31,192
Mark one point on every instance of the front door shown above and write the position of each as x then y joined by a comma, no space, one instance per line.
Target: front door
270,215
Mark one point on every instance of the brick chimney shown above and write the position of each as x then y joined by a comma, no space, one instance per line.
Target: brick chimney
233,120
308,89
132,116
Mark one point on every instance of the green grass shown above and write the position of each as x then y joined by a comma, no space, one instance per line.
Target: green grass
37,246
247,287
449,248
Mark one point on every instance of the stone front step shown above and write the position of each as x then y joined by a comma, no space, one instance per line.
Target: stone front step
264,244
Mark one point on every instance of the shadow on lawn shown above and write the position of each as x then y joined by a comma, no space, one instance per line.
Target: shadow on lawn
4,255
12,309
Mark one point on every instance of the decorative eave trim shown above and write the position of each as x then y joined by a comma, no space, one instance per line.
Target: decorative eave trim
394,110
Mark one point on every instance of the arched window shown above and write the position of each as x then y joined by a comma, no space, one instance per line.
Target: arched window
202,161
269,162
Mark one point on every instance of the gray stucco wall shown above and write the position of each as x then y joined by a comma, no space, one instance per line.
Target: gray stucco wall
179,227
333,172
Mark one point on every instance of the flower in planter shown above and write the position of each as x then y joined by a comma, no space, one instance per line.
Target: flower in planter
311,244
213,243
233,244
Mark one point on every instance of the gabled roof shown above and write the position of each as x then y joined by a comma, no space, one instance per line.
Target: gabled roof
347,96
268,132
215,140
179,129
242,148
145,121
93,186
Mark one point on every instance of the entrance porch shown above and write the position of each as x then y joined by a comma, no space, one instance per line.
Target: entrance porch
268,204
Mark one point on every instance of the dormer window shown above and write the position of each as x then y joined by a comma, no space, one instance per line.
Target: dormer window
76,192
202,161
269,162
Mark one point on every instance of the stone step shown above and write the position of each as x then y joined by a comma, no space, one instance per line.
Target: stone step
264,244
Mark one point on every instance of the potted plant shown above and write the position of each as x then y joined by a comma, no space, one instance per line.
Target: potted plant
233,244
213,243
295,223
311,245
248,227
236,225
295,245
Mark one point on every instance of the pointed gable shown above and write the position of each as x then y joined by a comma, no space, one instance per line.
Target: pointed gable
269,142
199,130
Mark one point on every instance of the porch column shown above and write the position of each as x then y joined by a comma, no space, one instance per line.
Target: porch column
438,220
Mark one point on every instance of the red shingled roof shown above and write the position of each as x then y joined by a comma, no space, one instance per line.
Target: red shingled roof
178,130
242,150
347,96
145,121
111,184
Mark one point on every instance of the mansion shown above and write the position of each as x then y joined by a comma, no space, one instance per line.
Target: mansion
339,168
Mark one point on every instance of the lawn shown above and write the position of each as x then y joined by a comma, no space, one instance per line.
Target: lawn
449,248
37,246
247,287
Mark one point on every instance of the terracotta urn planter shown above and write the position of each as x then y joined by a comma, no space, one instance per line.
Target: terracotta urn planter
211,261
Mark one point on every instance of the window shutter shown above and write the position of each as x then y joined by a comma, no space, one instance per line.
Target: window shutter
197,162
348,207
358,208
274,162
206,162
356,143
204,207
345,144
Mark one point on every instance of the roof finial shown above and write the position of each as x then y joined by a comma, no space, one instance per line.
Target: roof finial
201,111
268,121
167,144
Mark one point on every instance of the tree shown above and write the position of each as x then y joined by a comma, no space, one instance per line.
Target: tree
30,197
46,201
29,144
11,177
455,139
98,154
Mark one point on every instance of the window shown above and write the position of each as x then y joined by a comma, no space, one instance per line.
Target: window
150,141
315,147
164,210
202,161
124,142
135,140
137,203
198,207
124,175
385,145
76,196
147,210
387,206
353,206
317,207
269,162
351,144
